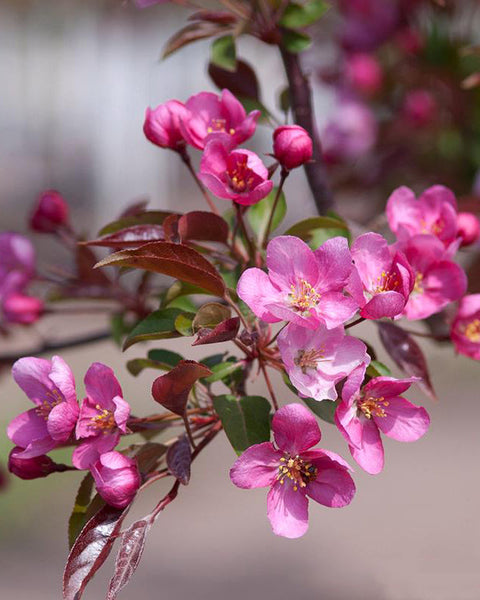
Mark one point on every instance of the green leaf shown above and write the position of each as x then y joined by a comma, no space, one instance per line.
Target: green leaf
180,289
295,41
223,53
284,100
325,409
378,369
301,15
184,303
223,370
166,357
214,359
210,315
246,420
183,324
78,517
259,214
315,230
319,236
158,325
163,360
250,104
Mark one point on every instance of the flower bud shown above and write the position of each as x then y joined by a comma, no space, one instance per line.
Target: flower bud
420,107
117,478
18,308
468,228
292,146
30,468
50,212
363,72
162,125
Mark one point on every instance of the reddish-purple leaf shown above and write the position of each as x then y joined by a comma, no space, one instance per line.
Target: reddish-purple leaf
193,32
134,209
224,332
171,390
176,260
213,16
91,549
170,229
179,459
203,226
407,354
147,217
129,237
129,555
241,82
85,261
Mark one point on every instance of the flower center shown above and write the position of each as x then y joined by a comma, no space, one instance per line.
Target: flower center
303,296
418,286
435,228
216,126
373,407
308,359
385,282
472,330
297,470
54,398
104,420
241,177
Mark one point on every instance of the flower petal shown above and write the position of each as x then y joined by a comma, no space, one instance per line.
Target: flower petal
334,263
257,291
256,467
62,377
404,421
333,486
102,385
287,511
92,449
32,375
370,456
26,427
289,261
121,413
61,420
295,429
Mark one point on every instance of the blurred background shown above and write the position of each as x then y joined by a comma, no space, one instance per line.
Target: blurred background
76,79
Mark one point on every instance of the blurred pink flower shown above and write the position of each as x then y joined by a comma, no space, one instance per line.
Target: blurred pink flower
17,262
117,478
162,124
420,108
103,416
51,386
292,146
50,212
465,330
217,117
316,360
363,73
302,286
378,406
468,228
18,308
239,175
294,472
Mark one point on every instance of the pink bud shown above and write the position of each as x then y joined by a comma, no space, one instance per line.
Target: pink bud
363,73
31,468
409,40
117,478
468,228
162,124
420,107
292,146
50,212
18,308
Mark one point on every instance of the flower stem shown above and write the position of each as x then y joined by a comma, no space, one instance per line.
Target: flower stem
188,163
353,323
283,175
269,385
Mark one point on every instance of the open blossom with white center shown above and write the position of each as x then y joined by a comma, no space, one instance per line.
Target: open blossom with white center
378,406
316,360
302,286
103,416
293,471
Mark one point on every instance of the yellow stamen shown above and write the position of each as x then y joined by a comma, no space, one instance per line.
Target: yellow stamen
386,281
373,407
472,330
303,296
297,470
308,359
418,287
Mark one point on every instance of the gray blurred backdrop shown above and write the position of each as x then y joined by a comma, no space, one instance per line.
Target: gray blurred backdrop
76,77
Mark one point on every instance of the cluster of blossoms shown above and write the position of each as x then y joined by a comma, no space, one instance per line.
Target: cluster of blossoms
57,420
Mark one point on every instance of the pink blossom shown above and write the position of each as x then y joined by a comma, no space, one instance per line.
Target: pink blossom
17,263
302,286
363,72
434,213
378,406
294,472
292,146
382,279
239,175
51,387
50,212
217,117
117,478
438,280
103,416
162,125
420,108
18,308
465,331
31,468
468,228
316,360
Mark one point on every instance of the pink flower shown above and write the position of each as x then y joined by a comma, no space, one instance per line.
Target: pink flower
50,212
363,72
162,125
378,406
468,228
316,360
239,175
302,286
117,478
466,327
17,263
420,108
382,279
221,118
51,386
103,416
292,146
31,468
434,213
438,280
18,308
294,472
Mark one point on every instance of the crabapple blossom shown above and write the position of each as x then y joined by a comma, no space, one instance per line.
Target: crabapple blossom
377,406
50,212
18,308
116,478
293,471
162,125
217,117
238,175
363,72
316,360
302,286
17,262
420,108
437,279
465,330
103,416
382,279
292,146
468,228
31,468
51,387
